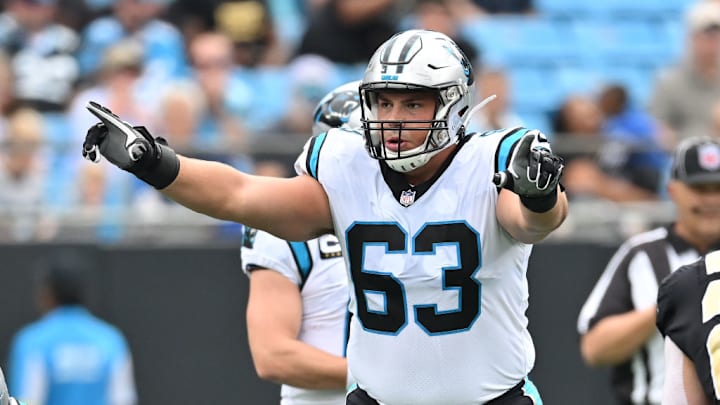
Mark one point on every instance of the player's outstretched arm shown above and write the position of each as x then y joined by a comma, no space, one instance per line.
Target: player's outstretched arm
274,317
293,209
531,204
528,226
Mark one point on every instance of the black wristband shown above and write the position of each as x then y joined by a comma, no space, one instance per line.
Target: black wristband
540,204
162,170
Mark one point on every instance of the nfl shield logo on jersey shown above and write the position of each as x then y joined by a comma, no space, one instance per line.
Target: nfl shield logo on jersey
407,198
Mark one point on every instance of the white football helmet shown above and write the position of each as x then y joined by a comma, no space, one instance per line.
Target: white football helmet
339,108
417,60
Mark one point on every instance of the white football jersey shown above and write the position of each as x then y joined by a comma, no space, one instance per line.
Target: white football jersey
438,287
317,268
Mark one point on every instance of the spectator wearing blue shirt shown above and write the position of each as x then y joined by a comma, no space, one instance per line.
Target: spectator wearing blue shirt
639,135
596,166
69,356
163,45
227,100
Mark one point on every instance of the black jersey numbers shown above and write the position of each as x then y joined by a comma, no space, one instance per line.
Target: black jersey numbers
394,316
459,278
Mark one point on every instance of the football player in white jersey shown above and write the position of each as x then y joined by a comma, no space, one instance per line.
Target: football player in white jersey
436,225
297,314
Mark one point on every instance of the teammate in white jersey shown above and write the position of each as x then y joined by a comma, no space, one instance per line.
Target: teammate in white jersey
297,314
436,225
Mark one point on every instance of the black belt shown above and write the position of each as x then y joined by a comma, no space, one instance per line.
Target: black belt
509,393
512,392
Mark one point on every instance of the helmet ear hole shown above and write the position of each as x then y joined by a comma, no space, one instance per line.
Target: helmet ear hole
462,112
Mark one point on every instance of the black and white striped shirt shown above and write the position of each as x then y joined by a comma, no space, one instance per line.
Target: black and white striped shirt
630,282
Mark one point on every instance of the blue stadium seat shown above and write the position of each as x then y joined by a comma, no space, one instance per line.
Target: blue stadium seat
269,95
676,32
57,129
612,9
538,120
647,9
523,41
61,156
571,9
625,41
534,89
572,80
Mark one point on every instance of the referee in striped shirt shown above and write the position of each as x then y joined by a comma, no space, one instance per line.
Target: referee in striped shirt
617,322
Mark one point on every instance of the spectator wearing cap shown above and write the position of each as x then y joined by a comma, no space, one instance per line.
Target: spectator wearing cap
683,95
250,27
69,356
617,322
120,86
42,53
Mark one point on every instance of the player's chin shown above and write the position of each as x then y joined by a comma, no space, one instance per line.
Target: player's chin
394,150
710,229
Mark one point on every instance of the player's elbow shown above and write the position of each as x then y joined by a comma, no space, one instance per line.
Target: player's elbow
270,366
531,238
589,355
269,371
592,353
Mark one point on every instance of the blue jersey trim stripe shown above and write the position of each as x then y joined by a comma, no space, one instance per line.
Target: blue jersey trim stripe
530,390
301,254
314,154
506,147
346,338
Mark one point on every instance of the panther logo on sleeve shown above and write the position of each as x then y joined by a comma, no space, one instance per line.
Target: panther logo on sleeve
248,239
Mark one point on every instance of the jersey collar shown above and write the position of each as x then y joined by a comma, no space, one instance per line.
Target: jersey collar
405,193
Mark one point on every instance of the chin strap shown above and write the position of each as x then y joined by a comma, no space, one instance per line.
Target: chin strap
477,108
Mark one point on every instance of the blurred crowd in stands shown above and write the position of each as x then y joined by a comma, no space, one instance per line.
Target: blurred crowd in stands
615,85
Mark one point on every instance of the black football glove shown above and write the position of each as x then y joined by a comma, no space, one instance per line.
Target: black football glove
533,172
130,148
